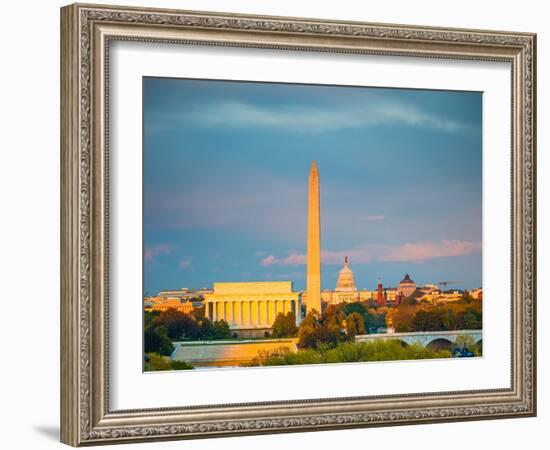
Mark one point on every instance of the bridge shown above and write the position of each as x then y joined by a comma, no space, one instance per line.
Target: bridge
431,339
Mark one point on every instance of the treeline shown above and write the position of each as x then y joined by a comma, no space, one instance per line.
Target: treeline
341,323
162,328
337,324
465,314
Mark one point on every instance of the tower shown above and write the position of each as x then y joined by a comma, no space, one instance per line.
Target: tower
380,297
313,277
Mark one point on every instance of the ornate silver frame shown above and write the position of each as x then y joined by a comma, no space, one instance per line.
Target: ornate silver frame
86,31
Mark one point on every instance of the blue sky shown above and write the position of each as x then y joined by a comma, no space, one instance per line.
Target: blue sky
225,182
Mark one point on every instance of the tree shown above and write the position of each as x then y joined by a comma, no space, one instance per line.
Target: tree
174,322
154,362
374,321
178,324
306,336
149,318
354,307
355,324
316,334
206,329
284,325
427,321
336,320
157,341
220,330
470,320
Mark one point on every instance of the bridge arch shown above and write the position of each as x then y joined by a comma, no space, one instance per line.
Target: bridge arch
403,342
440,343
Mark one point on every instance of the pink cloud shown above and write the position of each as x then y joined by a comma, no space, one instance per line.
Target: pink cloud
417,252
151,252
294,259
422,251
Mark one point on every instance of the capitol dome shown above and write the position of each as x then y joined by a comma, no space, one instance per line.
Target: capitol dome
346,280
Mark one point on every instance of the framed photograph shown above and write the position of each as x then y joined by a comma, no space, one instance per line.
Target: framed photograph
276,224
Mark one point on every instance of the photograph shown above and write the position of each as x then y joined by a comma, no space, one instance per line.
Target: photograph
288,220
292,224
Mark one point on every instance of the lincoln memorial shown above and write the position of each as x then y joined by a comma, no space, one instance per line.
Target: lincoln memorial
250,308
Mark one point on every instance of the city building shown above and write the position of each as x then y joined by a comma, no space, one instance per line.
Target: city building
250,308
196,296
169,303
347,291
406,286
477,293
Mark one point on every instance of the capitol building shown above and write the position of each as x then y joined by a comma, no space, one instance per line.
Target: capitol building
347,291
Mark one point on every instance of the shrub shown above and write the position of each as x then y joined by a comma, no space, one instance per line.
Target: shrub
345,352
180,365
155,362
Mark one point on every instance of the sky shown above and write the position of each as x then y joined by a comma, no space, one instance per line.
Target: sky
225,179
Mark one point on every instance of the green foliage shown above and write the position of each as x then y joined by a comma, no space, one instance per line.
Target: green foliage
373,315
180,365
155,362
207,329
464,314
284,325
470,319
306,336
347,352
339,323
181,326
149,317
355,324
374,321
220,330
344,352
468,342
178,324
156,340
313,334
428,321
447,317
355,307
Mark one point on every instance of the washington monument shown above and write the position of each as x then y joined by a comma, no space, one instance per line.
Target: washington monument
313,278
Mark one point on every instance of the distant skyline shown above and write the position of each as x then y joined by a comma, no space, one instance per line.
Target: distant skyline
225,183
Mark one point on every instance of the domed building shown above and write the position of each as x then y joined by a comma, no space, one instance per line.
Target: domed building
346,280
406,286
346,290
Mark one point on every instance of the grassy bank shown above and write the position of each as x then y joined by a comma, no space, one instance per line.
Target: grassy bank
390,350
